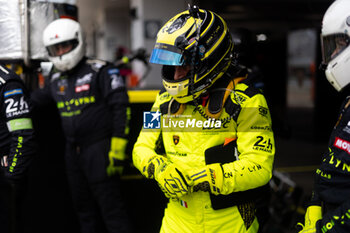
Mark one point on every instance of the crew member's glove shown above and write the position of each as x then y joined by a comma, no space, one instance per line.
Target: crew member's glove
172,181
210,179
313,214
116,156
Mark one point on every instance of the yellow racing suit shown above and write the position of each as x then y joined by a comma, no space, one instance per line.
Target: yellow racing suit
244,117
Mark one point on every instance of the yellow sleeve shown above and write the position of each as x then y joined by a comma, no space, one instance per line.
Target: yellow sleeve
145,146
255,146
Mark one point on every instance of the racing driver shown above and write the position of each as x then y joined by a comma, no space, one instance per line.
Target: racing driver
207,140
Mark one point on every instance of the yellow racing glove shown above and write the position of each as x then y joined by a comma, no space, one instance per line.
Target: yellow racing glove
117,156
210,179
149,168
171,180
313,214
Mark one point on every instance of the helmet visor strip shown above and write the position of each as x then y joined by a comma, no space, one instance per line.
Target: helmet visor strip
165,54
62,48
333,45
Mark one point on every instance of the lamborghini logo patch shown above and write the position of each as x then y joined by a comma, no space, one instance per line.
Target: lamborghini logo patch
176,139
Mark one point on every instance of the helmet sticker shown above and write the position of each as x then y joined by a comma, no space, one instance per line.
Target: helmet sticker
177,24
201,50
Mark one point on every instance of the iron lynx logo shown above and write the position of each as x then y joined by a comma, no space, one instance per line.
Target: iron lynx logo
151,120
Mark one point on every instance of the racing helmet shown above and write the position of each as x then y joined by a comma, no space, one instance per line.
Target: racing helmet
66,34
335,42
197,38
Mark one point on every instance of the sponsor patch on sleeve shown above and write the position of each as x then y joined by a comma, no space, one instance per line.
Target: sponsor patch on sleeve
113,71
117,81
13,92
19,124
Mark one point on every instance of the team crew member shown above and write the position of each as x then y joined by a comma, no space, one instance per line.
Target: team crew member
17,138
208,140
329,209
93,104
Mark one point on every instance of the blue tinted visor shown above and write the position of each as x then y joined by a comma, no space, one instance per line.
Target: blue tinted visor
166,57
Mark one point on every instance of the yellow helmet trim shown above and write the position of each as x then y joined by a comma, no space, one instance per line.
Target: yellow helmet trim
219,41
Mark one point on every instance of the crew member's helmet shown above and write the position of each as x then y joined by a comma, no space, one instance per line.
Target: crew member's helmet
64,33
196,37
335,43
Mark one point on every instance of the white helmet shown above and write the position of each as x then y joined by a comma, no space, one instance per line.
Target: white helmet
65,33
335,42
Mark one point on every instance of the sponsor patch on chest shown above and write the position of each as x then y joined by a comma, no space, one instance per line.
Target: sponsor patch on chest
81,88
342,144
83,83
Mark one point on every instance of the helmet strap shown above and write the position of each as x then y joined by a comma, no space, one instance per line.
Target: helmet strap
194,12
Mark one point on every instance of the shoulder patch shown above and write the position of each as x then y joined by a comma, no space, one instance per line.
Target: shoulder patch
13,92
117,81
238,97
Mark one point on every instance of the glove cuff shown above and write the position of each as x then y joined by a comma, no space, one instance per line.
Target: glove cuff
216,178
210,178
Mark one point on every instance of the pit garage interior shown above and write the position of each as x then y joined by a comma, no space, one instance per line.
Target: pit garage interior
285,47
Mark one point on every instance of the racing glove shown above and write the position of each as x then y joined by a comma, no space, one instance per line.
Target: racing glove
313,214
116,156
209,179
171,180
